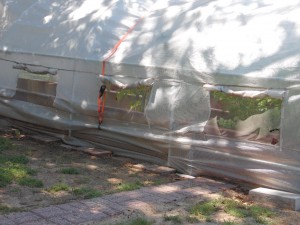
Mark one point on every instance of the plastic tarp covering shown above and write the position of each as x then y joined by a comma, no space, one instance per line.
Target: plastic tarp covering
166,63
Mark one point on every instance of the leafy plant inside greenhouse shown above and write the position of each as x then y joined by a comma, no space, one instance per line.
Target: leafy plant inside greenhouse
138,97
241,108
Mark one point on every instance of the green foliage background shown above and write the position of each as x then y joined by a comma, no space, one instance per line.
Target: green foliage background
139,97
241,108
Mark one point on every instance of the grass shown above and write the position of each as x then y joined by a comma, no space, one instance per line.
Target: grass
205,210
69,171
87,193
138,221
158,181
5,178
30,182
4,159
174,219
5,144
6,209
229,223
234,208
192,219
59,187
261,214
12,168
129,186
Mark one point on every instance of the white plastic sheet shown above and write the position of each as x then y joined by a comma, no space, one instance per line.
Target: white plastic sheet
182,49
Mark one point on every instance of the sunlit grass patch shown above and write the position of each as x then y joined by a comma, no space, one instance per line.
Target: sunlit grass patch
206,210
234,208
12,168
87,193
261,214
129,186
59,187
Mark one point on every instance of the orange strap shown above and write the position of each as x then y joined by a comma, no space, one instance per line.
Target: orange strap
102,93
115,48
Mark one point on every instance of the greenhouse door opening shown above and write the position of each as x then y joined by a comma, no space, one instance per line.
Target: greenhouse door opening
39,89
244,118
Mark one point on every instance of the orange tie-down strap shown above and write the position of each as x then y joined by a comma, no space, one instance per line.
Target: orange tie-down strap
102,92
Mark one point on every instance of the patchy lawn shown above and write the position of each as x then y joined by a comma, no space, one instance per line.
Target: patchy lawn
34,175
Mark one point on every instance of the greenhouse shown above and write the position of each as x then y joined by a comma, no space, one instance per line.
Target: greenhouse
206,87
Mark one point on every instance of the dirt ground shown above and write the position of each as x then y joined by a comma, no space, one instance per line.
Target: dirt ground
68,175
82,171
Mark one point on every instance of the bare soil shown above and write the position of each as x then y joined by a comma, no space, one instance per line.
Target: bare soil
105,175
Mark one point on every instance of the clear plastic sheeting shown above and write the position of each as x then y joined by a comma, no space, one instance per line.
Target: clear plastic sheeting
249,93
174,105
124,82
207,87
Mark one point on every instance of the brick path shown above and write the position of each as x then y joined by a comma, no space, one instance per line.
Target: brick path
98,209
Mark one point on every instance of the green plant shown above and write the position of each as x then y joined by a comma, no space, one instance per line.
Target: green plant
59,187
87,193
69,170
227,123
129,186
243,107
139,94
30,182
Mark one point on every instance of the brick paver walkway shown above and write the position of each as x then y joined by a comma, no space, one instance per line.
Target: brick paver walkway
98,209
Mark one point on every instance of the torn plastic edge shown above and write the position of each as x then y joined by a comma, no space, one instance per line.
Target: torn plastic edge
199,127
112,81
41,71
278,94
